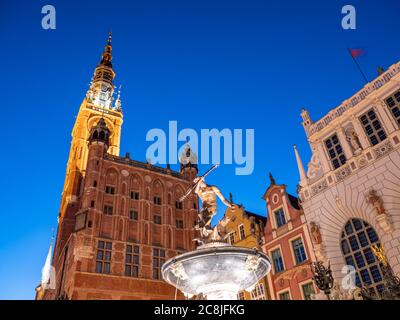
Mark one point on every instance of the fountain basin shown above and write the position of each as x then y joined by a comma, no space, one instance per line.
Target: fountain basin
216,270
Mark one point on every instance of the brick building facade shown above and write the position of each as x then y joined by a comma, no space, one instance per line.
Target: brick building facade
289,246
120,219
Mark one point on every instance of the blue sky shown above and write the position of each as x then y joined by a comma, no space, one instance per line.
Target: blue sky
207,64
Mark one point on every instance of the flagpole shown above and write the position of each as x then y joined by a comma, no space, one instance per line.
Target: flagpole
358,66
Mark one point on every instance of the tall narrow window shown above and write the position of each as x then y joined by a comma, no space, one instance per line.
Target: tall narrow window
258,293
357,238
157,219
134,195
157,200
393,102
308,290
179,224
178,205
132,261
108,210
372,127
232,238
158,261
133,214
277,261
110,190
241,232
284,296
299,252
335,151
103,257
280,217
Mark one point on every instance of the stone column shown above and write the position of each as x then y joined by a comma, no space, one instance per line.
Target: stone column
387,119
344,143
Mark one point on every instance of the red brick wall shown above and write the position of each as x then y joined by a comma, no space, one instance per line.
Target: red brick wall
294,275
79,278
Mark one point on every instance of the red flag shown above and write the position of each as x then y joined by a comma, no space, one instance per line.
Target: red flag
356,52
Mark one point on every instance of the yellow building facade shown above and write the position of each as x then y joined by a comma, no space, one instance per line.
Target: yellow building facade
246,229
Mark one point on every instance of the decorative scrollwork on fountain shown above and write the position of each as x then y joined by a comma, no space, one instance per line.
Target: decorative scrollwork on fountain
322,277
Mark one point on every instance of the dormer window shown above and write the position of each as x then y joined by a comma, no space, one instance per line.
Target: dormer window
280,217
335,151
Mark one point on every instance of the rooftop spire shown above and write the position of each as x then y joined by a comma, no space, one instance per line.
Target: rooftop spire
302,172
106,57
109,38
46,270
188,158
118,104
101,90
271,179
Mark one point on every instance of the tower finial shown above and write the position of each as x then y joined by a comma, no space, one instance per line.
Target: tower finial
188,159
109,38
118,104
106,57
272,179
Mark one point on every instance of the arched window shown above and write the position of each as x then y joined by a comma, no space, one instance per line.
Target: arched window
356,241
95,134
102,135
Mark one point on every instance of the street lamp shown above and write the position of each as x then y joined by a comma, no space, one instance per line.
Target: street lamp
322,277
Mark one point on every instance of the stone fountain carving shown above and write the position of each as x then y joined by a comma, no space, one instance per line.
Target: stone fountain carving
215,270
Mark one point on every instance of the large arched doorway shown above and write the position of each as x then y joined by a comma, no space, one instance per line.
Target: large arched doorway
356,241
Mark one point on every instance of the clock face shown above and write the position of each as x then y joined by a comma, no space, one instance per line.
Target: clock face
105,88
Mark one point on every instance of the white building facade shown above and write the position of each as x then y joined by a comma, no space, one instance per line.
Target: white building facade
351,190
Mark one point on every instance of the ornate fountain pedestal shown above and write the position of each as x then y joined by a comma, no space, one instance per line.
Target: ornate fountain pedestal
216,270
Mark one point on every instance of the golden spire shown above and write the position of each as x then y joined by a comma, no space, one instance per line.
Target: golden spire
109,38
106,57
